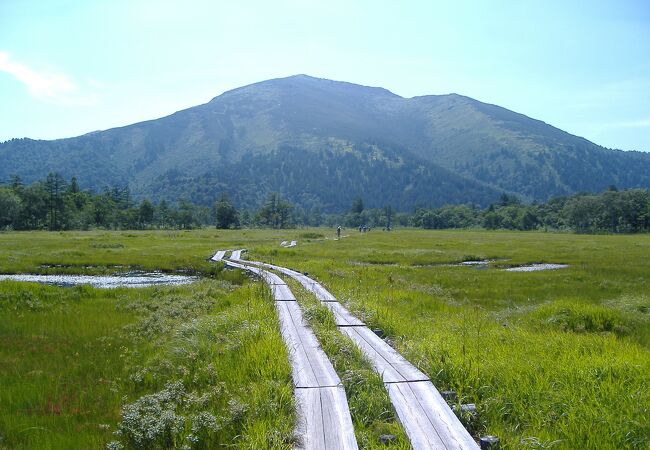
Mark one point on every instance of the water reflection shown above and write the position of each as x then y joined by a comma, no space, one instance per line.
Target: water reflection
133,279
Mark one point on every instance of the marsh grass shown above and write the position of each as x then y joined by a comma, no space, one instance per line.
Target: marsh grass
197,366
102,252
557,359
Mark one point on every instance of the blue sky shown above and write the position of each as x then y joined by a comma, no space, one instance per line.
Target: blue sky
71,67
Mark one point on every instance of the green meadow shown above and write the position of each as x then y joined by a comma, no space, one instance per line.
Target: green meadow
552,359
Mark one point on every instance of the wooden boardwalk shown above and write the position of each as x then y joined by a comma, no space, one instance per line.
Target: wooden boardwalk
324,421
427,419
218,256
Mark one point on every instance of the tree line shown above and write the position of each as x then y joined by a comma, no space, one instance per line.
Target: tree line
58,204
612,211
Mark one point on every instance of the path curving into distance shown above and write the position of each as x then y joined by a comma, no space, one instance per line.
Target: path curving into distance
324,421
425,416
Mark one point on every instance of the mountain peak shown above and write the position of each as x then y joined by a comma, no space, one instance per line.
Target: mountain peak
305,83
323,142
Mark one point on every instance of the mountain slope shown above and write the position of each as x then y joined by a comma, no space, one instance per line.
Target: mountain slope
513,152
323,142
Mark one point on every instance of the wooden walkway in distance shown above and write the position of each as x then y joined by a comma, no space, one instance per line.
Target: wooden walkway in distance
426,417
324,421
219,255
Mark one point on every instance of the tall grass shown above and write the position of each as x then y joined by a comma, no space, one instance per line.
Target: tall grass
198,366
557,359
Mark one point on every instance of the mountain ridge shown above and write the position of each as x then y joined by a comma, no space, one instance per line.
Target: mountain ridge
468,151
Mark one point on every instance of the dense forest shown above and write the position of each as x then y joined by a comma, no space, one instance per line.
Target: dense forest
57,204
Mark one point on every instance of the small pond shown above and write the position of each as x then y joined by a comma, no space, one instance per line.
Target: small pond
537,267
131,279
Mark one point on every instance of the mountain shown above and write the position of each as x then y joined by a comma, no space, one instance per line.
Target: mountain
322,143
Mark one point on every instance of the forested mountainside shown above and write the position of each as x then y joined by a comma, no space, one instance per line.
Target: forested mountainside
322,143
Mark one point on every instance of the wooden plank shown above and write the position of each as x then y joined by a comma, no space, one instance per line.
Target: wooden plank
309,429
404,367
320,365
219,255
342,316
324,421
268,277
416,424
301,370
310,284
427,419
337,423
236,255
445,422
313,368
284,270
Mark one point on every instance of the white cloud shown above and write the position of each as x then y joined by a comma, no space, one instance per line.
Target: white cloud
47,86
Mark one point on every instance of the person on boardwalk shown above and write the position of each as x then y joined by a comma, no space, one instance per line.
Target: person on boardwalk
338,232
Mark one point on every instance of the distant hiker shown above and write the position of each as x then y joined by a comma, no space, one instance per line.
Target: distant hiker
338,232
360,228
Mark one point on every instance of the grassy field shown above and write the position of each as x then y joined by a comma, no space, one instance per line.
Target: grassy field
557,359
200,366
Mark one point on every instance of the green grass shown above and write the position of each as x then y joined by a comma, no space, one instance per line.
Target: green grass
205,363
557,359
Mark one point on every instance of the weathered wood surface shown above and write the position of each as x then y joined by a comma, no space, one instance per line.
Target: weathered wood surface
236,255
311,368
325,415
324,421
219,255
437,416
427,419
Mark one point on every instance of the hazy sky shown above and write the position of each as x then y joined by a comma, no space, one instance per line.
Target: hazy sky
70,67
